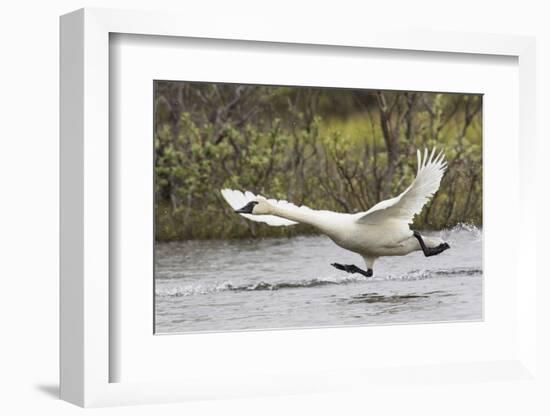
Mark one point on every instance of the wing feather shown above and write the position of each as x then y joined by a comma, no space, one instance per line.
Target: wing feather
404,207
237,199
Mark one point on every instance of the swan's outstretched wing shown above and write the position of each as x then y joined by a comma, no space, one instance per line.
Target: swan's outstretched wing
405,206
238,199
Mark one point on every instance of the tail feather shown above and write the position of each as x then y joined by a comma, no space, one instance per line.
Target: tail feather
432,242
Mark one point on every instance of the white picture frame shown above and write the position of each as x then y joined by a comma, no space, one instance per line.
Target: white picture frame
86,305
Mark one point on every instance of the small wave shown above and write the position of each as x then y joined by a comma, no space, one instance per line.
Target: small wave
377,298
199,289
431,274
230,287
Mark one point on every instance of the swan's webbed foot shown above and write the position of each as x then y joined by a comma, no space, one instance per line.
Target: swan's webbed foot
352,268
430,251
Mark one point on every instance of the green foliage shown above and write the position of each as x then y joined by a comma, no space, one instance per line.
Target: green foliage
321,148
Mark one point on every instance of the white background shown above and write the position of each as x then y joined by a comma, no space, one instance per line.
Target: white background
29,208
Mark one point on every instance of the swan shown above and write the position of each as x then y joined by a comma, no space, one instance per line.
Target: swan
381,231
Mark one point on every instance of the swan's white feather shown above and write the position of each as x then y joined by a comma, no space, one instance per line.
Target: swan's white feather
237,199
405,206
381,231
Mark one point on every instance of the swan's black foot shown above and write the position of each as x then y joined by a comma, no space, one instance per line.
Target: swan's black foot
352,268
430,251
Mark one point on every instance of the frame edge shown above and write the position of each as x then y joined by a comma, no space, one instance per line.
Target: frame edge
82,353
71,219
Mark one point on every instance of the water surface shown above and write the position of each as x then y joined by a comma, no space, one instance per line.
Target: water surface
221,285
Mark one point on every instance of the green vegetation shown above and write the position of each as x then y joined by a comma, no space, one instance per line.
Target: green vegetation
343,150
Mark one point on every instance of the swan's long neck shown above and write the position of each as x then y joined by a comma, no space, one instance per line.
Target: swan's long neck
304,217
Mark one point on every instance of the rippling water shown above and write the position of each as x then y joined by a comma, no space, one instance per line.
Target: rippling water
289,283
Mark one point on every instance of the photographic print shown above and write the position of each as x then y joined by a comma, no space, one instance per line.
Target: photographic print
281,207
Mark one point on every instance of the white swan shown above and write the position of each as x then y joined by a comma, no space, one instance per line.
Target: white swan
381,231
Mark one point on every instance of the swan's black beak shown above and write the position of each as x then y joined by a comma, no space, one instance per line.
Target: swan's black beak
247,209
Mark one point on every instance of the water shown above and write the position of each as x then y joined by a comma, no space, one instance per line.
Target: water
289,283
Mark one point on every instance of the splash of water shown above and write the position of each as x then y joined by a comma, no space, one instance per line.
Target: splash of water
227,286
451,234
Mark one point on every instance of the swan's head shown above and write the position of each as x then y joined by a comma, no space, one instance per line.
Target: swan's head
258,206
